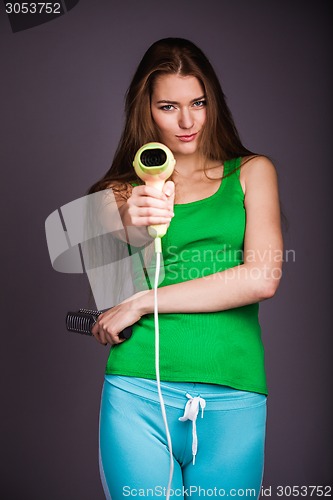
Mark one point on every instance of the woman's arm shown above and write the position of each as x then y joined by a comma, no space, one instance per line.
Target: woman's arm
255,280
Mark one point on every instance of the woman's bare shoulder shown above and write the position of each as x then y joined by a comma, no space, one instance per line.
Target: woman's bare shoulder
255,169
250,163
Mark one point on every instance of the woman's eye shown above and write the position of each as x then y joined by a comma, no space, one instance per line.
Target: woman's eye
166,107
199,104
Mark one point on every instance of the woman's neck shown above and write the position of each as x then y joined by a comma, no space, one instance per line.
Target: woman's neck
193,165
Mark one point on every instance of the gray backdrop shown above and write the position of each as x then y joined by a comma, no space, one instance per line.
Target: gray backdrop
62,88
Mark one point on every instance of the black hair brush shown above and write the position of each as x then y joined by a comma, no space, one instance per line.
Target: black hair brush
83,320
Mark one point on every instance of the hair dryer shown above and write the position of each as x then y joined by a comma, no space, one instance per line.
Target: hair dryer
154,164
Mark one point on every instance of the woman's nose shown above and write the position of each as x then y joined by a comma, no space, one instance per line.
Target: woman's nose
186,120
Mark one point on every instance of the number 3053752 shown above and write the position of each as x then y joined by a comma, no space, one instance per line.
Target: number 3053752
33,8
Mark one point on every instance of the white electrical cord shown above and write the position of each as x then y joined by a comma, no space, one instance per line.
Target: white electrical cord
157,361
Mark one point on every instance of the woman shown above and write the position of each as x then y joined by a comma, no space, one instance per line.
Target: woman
222,256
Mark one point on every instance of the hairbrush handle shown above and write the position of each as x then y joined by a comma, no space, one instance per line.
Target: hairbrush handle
83,320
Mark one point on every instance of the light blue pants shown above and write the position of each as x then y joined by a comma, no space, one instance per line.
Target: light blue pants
134,456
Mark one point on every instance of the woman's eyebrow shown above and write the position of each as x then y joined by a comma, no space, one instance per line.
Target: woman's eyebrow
176,102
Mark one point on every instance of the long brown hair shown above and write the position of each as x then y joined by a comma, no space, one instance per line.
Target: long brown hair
219,139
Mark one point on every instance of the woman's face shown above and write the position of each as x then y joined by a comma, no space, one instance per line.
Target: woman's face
178,107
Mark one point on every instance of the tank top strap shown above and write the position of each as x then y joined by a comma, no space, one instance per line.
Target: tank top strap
231,165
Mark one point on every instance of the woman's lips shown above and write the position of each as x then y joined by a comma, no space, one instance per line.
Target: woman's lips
187,138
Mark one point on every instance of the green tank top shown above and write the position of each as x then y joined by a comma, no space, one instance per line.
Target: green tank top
223,347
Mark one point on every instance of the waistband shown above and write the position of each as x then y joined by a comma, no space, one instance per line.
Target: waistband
217,397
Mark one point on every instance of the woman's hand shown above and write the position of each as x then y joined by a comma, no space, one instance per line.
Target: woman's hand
145,206
148,206
110,323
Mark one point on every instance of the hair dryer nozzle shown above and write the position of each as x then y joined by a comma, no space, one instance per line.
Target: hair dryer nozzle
154,162
153,157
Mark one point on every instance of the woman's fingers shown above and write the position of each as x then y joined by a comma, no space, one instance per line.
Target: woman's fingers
104,336
146,216
148,201
148,196
98,334
149,206
148,191
110,324
169,190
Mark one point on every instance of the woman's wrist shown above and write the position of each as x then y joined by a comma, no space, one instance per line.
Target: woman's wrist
145,302
137,236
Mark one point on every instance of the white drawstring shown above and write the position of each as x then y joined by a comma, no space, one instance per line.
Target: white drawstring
191,413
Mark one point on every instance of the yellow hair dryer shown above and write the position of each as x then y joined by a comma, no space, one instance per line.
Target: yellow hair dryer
154,164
